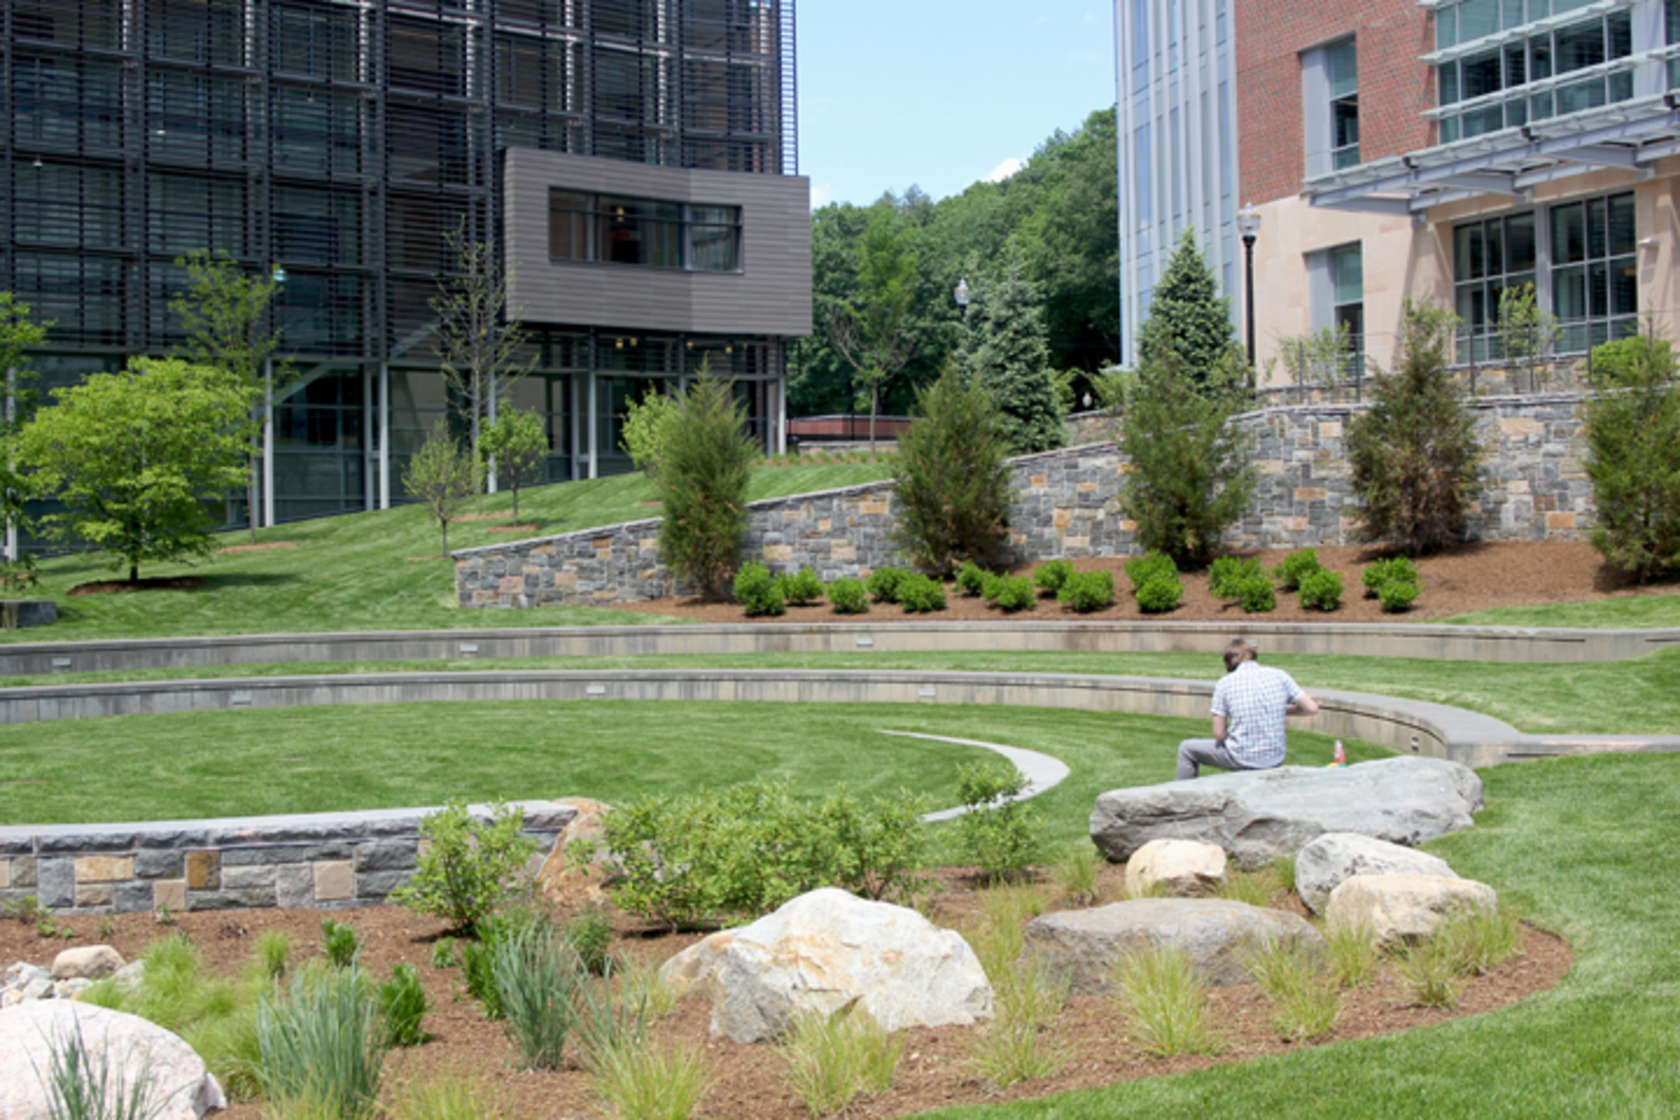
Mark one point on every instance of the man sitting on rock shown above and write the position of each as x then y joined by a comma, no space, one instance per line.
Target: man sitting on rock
1249,705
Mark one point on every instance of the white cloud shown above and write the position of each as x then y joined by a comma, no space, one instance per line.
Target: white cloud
820,194
1004,170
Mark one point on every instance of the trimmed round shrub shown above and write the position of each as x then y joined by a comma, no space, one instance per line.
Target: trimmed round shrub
1226,571
990,584
1396,568
920,593
1256,594
1397,595
1321,590
1014,593
1161,593
1087,591
1296,567
848,595
1142,569
1052,576
971,579
802,589
759,591
883,584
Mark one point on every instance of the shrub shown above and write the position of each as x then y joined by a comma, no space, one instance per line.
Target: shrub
319,1043
1013,593
998,833
339,942
537,977
1395,569
590,936
467,866
1296,567
1633,455
1051,575
443,953
1165,1003
1225,573
883,583
402,1004
702,479
971,579
1396,596
1150,565
920,593
1414,454
1087,591
1321,590
952,482
848,596
1255,593
644,430
802,588
833,1058
1160,594
758,591
877,847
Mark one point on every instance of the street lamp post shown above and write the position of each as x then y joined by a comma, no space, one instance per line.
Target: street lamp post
1248,225
961,295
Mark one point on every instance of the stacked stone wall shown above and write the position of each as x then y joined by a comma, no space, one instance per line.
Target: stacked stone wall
1063,504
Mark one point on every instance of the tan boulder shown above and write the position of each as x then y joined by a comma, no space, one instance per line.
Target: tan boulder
1401,909
566,878
1180,868
86,962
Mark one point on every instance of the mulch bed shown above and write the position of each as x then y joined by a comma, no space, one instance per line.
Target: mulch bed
934,1071
112,586
1468,577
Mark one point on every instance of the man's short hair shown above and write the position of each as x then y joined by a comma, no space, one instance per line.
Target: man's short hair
1238,652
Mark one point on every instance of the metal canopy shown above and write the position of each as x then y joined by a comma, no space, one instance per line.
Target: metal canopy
1630,135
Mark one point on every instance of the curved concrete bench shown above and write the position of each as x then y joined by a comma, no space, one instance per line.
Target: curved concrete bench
892,633
1414,726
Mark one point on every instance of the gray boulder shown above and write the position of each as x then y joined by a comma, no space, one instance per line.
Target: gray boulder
827,950
1259,815
1212,932
1322,865
133,1050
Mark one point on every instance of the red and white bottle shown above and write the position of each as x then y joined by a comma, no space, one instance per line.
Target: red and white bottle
1338,757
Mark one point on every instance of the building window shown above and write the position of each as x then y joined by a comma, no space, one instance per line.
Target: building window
1488,257
1330,106
1337,278
641,231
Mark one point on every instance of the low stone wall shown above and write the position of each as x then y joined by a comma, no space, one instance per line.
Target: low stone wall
306,860
1063,505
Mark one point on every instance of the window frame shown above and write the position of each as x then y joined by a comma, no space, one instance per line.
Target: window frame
693,230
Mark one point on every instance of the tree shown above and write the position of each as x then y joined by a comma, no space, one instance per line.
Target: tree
517,440
441,476
19,334
480,346
1633,455
1527,333
1414,453
702,485
872,330
1189,324
953,484
644,430
224,313
136,457
1189,475
1003,351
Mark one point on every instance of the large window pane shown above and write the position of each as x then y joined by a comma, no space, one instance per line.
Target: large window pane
1569,233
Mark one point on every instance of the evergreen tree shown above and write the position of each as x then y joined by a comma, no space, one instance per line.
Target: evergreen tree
1189,324
1633,455
703,474
953,485
1003,351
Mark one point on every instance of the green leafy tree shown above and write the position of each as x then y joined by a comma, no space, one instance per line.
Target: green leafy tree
19,335
1633,455
517,441
137,456
1003,351
702,485
872,329
1414,455
1189,324
442,477
1527,333
225,314
468,866
644,430
953,484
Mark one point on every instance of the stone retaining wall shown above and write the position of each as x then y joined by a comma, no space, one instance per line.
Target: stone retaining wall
308,860
1063,505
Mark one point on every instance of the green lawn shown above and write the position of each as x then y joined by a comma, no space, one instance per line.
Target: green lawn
1583,846
386,756
370,571
1636,612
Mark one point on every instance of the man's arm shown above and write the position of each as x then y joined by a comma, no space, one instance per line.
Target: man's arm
1219,729
1302,705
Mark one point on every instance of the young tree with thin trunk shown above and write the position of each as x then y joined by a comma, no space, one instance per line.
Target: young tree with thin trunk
19,334
441,476
518,442
225,314
872,330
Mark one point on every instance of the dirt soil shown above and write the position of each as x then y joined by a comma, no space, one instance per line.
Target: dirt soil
1469,577
265,546
934,1071
113,586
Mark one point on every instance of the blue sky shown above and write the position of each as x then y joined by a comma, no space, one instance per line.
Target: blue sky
939,93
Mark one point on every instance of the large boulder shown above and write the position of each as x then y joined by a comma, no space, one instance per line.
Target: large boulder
1185,868
1260,815
1212,932
1336,856
826,950
179,1085
1401,909
564,877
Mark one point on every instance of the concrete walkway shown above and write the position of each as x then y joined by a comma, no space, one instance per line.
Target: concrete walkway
1039,771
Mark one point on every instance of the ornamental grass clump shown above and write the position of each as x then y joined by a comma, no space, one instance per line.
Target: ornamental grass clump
646,1080
1431,973
1479,939
1016,1045
1076,874
1304,1006
87,1084
450,1095
537,977
1351,953
1164,1002
402,1004
833,1059
468,866
320,1043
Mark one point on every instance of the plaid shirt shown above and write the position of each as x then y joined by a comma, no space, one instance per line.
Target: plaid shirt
1253,699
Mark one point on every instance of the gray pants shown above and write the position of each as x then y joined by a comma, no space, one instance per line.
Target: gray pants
1204,752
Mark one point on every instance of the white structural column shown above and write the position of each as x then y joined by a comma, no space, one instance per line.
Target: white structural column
489,419
11,413
572,391
267,446
590,424
369,494
384,436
